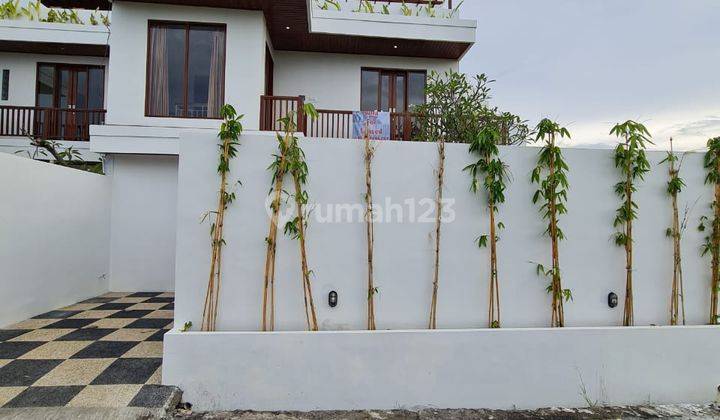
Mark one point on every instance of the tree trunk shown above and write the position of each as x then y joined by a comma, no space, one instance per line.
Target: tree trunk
677,290
310,313
494,309
438,225
558,316
210,307
370,232
628,319
715,283
268,316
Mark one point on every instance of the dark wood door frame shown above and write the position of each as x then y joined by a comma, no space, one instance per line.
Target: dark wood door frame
269,72
393,74
392,89
56,80
64,122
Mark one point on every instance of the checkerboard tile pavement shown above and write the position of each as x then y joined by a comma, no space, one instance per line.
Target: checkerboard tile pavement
101,352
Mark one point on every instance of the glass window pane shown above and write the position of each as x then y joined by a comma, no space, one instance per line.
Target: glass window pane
96,89
46,86
416,89
176,70
400,93
81,81
206,71
369,90
384,92
166,71
64,88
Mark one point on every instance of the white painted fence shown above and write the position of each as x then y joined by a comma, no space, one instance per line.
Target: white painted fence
592,264
54,237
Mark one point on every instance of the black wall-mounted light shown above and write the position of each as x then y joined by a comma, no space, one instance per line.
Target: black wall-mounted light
333,299
612,300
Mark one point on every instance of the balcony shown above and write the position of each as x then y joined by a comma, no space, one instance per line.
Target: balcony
330,123
49,123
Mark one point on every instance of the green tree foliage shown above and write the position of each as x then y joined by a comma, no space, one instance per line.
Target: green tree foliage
229,135
631,161
11,10
490,175
457,110
458,107
674,187
551,176
290,159
712,241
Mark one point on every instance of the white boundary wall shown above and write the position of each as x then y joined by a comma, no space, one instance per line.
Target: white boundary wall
468,368
503,369
592,265
55,236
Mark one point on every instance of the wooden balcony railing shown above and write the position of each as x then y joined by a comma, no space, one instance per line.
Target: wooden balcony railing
330,123
272,108
49,123
338,124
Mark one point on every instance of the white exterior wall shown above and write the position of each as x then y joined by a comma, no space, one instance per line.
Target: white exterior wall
592,265
244,69
144,206
55,236
332,81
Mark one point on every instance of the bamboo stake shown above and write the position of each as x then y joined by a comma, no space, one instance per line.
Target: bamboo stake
369,154
631,159
290,161
558,314
552,194
494,310
438,225
715,283
677,302
268,317
211,296
310,313
628,319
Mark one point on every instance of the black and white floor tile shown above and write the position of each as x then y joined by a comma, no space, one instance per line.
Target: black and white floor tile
102,352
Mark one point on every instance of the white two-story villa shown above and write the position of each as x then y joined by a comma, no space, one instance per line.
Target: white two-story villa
143,92
124,93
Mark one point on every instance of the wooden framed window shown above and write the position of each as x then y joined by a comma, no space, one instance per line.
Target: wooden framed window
391,90
185,70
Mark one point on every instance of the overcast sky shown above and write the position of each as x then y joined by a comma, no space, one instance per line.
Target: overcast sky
591,63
